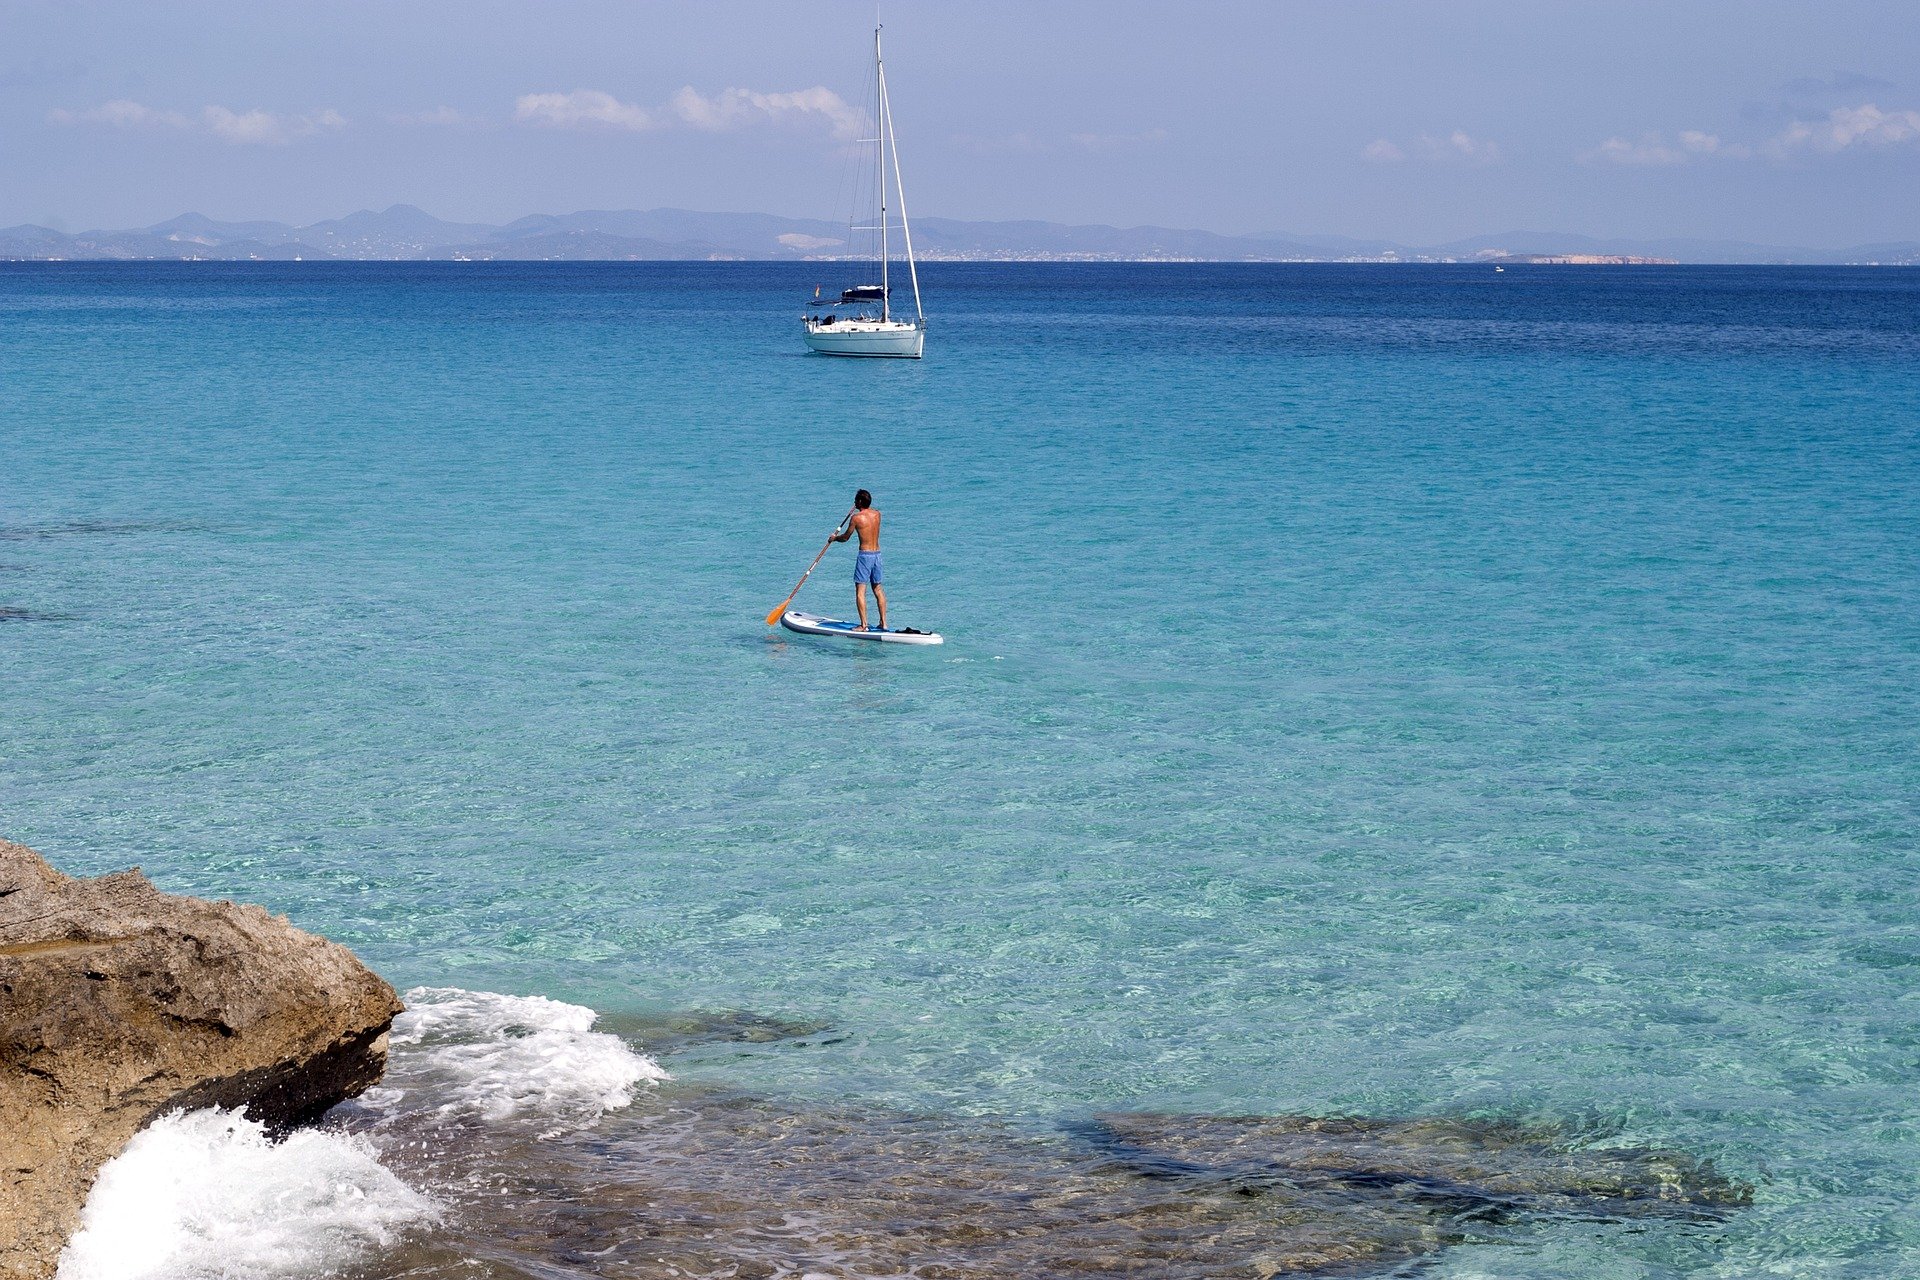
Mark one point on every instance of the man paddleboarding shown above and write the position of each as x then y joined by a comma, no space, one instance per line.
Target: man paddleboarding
865,521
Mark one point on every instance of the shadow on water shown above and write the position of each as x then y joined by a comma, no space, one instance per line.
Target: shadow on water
671,1033
76,529
94,528
696,1180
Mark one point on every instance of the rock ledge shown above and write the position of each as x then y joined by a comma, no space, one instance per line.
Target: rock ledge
119,1003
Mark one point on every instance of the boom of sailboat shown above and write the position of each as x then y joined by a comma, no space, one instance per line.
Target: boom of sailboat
863,323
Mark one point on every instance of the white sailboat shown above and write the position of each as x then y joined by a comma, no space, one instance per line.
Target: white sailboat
862,323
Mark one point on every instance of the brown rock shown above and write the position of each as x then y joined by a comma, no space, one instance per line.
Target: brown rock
119,1003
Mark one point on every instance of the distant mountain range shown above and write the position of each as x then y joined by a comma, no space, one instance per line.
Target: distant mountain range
408,234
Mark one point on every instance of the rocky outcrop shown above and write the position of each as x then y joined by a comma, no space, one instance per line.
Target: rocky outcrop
119,1003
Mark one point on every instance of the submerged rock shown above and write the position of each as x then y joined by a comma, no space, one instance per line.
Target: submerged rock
702,1181
1487,1169
670,1033
119,1003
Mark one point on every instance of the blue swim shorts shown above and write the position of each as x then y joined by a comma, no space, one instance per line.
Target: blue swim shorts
866,568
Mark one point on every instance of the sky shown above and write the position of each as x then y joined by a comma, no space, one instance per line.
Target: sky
1418,121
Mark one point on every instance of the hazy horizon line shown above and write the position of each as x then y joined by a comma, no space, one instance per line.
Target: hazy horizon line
61,226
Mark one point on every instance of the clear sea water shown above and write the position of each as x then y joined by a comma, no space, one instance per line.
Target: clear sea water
1383,691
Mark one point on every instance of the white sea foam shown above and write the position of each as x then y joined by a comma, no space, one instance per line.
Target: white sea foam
205,1194
496,1056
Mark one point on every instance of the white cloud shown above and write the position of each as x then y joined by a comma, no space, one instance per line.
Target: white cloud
1650,150
1033,144
1842,129
1118,141
444,117
1694,142
728,110
739,108
122,114
1459,145
798,240
1863,126
1656,149
234,126
268,128
581,109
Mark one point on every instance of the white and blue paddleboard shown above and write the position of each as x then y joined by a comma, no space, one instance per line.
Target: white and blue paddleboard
814,625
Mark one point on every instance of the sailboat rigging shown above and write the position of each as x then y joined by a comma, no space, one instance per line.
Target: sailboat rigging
853,326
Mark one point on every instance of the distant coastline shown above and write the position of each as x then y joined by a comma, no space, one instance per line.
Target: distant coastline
408,234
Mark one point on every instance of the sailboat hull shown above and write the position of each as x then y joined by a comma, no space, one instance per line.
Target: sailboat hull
873,338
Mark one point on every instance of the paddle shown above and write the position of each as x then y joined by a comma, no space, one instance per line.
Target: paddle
782,606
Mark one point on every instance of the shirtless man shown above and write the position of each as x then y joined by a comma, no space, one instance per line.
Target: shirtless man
866,566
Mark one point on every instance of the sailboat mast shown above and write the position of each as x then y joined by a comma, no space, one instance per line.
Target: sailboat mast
906,229
880,169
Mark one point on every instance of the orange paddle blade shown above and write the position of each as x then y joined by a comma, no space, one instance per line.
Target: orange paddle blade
782,606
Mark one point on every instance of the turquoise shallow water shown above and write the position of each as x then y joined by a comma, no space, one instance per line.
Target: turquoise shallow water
1398,691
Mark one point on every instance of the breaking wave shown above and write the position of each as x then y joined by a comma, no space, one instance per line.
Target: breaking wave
495,1057
209,1194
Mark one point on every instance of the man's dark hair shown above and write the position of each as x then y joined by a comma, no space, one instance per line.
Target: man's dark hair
862,500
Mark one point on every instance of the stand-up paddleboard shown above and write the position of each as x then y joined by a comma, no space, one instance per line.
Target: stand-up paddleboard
814,625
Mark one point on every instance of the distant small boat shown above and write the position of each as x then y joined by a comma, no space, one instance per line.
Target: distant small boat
1499,268
862,322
